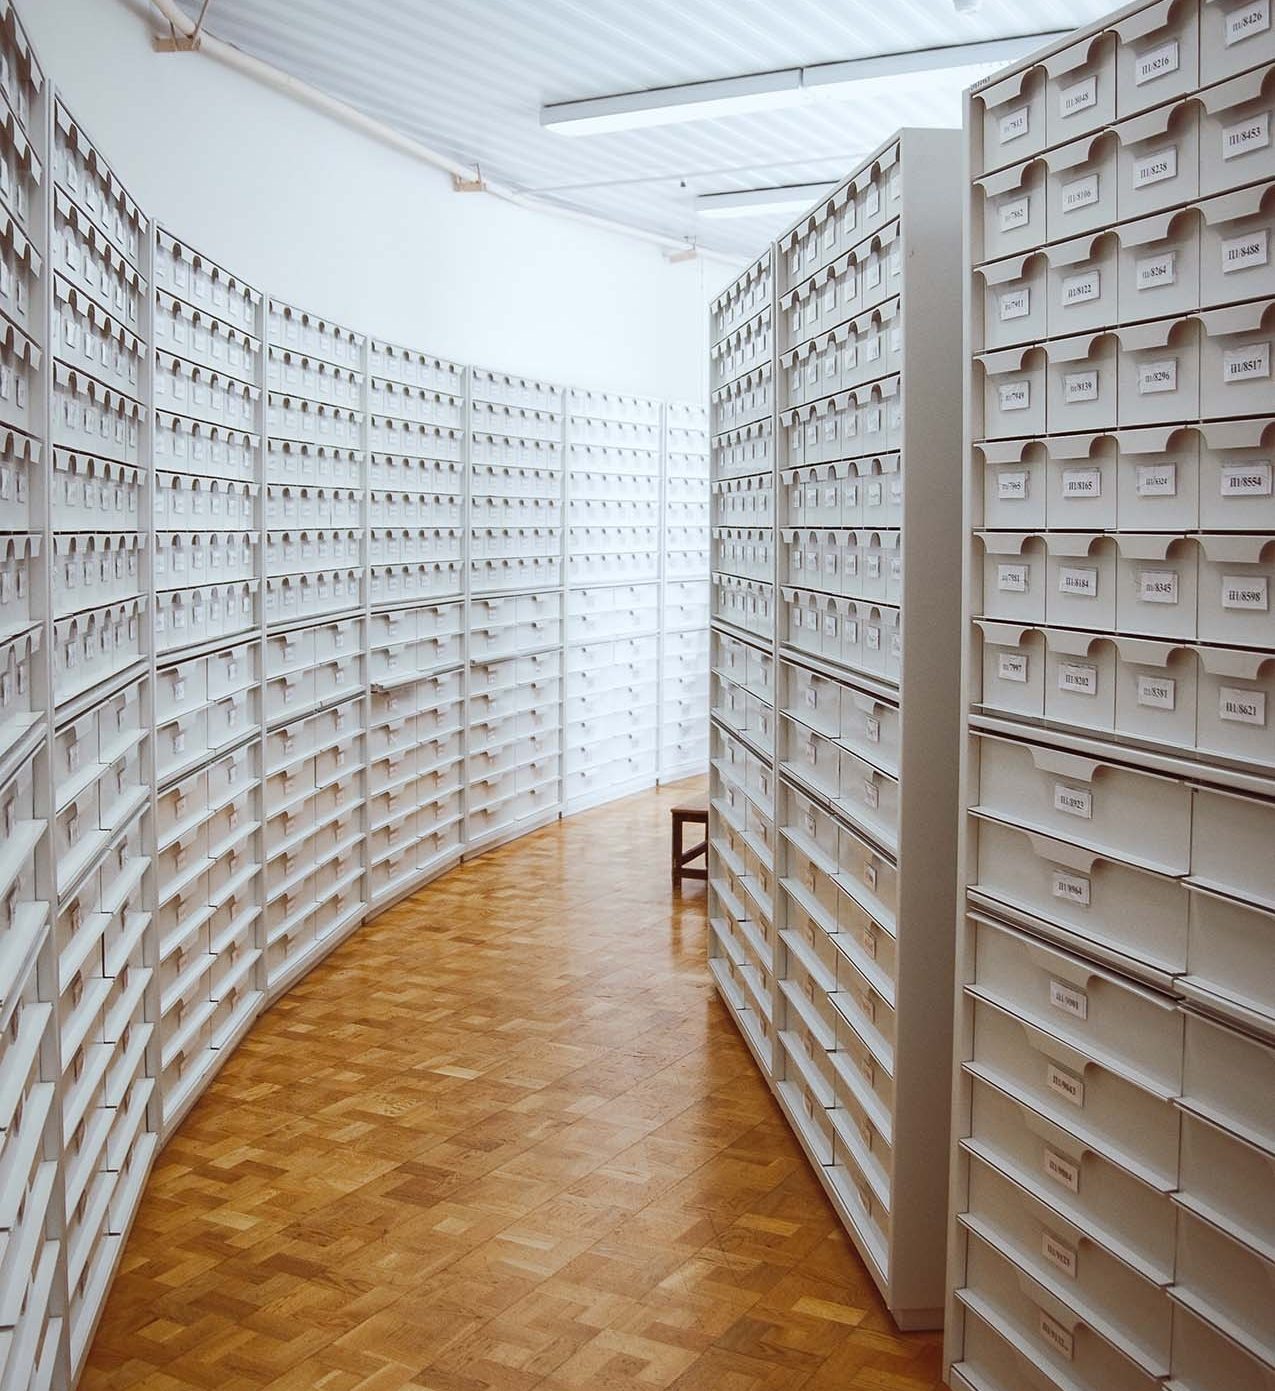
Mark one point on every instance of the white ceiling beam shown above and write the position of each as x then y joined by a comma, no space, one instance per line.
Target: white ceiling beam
752,202
763,91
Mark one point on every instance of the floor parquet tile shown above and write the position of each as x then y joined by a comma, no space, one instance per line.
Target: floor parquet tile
504,1139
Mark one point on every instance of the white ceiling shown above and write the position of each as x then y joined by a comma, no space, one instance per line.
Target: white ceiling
468,78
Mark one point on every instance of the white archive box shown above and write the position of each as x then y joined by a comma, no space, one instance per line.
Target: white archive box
1159,479
1080,186
1235,246
1235,360
1012,387
1226,1077
202,336
1203,1358
196,446
1081,284
19,454
1229,965
1080,91
88,337
1224,1180
1235,147
1230,835
1159,372
1135,816
1236,704
194,278
1158,274
1227,1284
1081,383
1159,159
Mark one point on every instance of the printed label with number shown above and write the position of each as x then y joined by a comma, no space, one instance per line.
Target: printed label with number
1080,386
1080,581
1158,586
1081,288
1011,485
1082,482
1157,692
1073,801
1156,62
1246,22
1012,666
1014,212
1156,480
1068,999
1247,252
1014,396
1244,592
1150,272
1062,1170
1070,1087
1156,377
1080,193
1156,167
1244,137
1058,1253
1071,888
1013,304
1080,96
1014,124
1246,480
1241,707
1013,579
1078,678
1252,363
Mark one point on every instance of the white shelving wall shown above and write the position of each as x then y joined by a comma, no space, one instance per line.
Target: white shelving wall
285,634
1111,1181
836,561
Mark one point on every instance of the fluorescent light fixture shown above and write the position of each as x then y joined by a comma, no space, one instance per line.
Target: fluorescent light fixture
768,91
751,202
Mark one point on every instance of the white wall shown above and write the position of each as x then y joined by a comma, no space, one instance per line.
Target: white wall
336,222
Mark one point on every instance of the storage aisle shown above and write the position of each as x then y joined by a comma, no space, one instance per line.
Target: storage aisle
381,1188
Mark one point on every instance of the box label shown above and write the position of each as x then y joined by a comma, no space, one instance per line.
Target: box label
1071,888
1157,480
1157,692
1082,482
1246,480
1238,706
1156,62
1156,167
1080,581
1247,252
1153,271
1246,136
1062,1170
1013,579
1068,999
1079,289
1012,666
1015,396
1244,592
1073,801
1014,124
1080,193
1247,22
1252,363
1011,485
1014,212
1080,96
1058,1253
1080,386
1158,586
1078,678
1070,1087
1155,377
1013,304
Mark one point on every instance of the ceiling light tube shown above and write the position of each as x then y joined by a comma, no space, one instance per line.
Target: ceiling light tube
752,202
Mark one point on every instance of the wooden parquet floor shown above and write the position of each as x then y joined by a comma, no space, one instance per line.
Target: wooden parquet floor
505,1137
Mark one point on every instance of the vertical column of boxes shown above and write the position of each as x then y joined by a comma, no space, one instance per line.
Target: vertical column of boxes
514,749
102,749
208,696
416,648
315,647
684,609
741,820
835,953
1112,1165
612,717
32,1302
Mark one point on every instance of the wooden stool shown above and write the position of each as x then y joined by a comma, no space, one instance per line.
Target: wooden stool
682,857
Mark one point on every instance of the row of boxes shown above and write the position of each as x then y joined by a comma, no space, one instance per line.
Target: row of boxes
85,254
742,300
290,598
867,420
92,340
292,552
858,635
860,564
403,402
19,455
748,605
308,422
747,552
92,568
92,417
861,492
743,401
439,477
747,451
193,503
199,557
186,617
1153,55
1214,587
514,572
292,373
1215,701
195,446
300,331
20,269
91,647
866,348
493,451
506,389
608,489
413,438
741,351
861,206
1200,257
188,388
1214,477
749,500
203,284
201,336
85,175
853,284
511,481
504,512
1169,371
414,368
407,583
